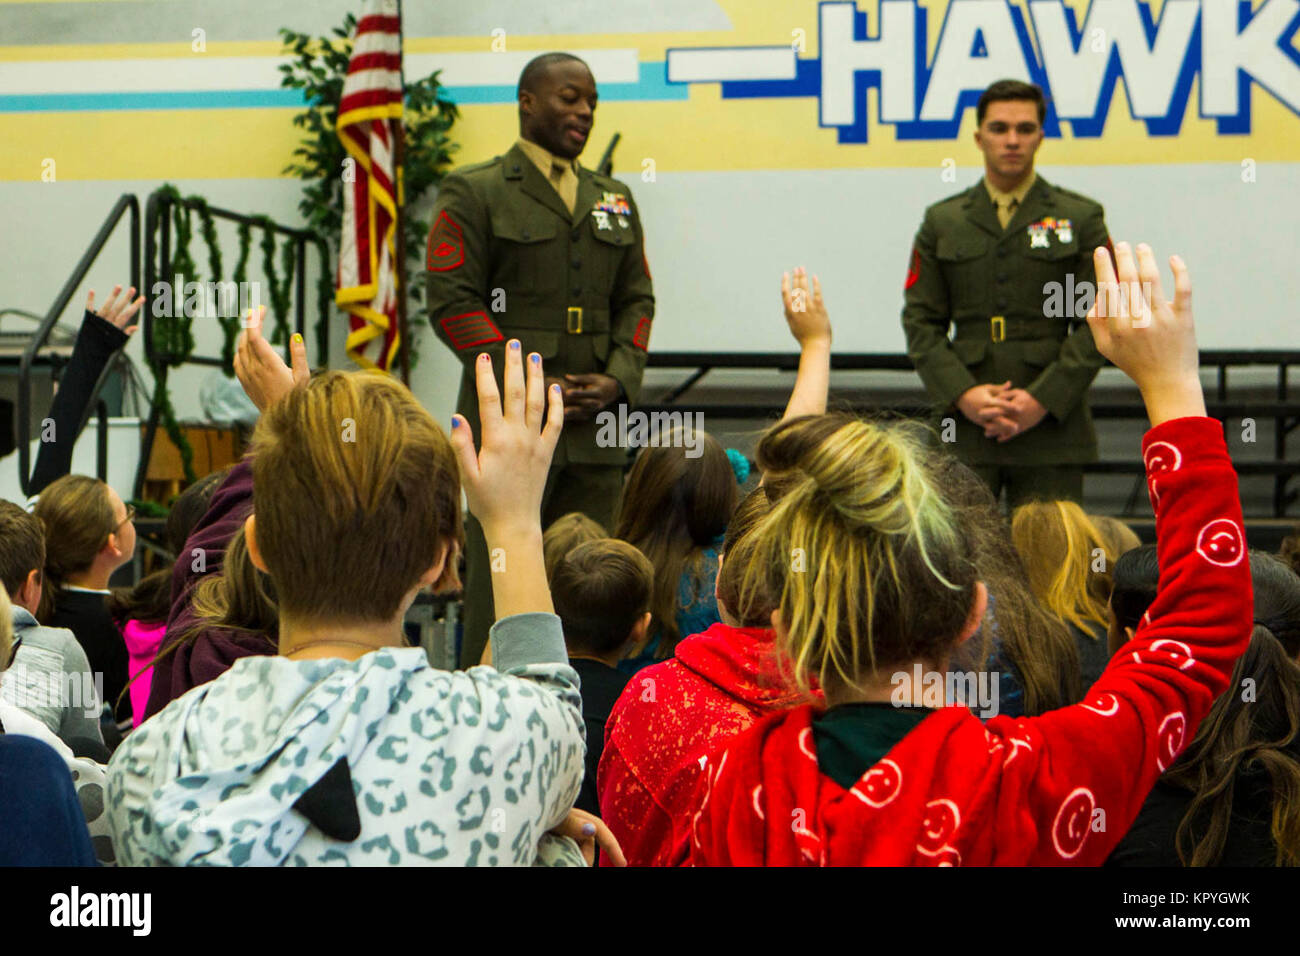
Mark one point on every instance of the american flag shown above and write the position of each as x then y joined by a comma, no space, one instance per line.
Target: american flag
370,114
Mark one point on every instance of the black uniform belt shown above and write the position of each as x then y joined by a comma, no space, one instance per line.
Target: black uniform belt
1008,328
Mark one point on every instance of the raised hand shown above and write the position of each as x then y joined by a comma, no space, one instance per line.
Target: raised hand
504,480
118,309
1152,340
259,367
805,310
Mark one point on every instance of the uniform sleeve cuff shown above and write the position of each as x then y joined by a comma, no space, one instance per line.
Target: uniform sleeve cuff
523,639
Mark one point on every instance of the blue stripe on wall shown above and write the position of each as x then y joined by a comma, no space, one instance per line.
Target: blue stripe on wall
652,85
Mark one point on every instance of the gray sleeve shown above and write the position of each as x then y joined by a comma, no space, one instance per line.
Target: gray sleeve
82,705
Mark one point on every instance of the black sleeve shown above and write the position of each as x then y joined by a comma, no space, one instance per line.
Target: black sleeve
97,342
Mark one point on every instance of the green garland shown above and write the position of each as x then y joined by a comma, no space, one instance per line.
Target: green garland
280,288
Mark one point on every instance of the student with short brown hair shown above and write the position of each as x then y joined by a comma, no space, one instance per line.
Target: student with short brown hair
347,746
51,679
601,591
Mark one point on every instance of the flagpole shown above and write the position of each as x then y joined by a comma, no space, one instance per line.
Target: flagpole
399,159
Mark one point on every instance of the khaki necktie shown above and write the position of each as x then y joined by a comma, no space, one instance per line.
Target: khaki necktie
1007,211
566,186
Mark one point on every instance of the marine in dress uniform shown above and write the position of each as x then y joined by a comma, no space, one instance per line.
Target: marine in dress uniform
532,246
982,264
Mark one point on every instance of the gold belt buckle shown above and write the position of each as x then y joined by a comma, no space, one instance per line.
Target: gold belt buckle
998,328
574,322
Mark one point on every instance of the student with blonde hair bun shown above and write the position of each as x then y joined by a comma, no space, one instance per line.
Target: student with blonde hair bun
873,580
1069,571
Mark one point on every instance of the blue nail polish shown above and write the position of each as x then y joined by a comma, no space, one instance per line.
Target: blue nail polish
455,422
514,344
534,358
589,829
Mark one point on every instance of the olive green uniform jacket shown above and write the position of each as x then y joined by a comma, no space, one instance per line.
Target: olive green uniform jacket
506,259
994,287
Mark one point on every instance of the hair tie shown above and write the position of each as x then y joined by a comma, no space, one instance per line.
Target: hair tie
739,465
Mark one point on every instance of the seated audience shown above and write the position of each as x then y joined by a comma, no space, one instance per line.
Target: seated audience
675,510
141,611
674,713
883,776
347,746
88,535
676,507
52,800
1032,654
1067,562
222,607
50,679
566,533
1232,798
601,591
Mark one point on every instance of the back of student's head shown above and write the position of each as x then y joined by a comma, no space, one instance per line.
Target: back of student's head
22,546
1060,548
356,493
674,505
869,564
1276,593
1135,577
190,505
1117,536
1035,642
76,512
566,533
1248,740
601,589
738,551
787,442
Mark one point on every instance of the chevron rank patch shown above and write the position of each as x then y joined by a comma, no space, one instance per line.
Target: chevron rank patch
470,330
446,245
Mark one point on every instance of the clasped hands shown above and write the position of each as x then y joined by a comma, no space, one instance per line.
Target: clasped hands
1003,412
586,394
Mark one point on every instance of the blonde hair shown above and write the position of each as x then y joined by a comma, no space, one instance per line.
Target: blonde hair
356,491
564,534
869,563
1058,545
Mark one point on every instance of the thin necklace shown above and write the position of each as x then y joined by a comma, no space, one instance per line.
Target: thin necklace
311,644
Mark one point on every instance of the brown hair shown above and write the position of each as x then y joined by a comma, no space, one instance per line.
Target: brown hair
78,518
738,550
355,491
1004,90
6,628
673,508
566,533
1034,642
601,588
1242,734
1058,545
1290,549
871,567
149,600
22,546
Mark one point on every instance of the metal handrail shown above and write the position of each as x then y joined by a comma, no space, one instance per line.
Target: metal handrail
158,255
126,203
